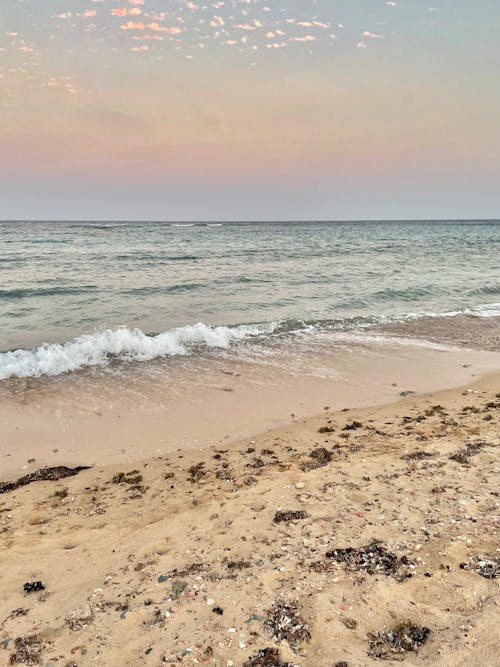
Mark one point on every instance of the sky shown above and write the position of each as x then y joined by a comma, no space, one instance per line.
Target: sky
249,109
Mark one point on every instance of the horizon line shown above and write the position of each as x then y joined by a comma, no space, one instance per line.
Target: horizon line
245,221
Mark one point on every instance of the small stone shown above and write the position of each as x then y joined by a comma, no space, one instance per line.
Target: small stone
300,485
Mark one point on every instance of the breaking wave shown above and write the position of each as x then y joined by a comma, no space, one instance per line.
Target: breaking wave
123,344
99,349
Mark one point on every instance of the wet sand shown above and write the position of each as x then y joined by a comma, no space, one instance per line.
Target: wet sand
480,333
106,417
234,554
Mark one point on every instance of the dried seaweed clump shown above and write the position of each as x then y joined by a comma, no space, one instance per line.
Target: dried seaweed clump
284,622
132,477
319,458
470,449
374,559
197,472
28,650
487,566
42,475
289,515
266,657
394,644
418,455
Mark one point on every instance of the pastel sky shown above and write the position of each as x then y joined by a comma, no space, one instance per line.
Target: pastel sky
249,109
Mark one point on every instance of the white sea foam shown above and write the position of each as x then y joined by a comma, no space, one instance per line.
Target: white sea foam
100,348
487,310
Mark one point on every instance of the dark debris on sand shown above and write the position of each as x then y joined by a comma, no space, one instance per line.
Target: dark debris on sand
396,643
42,475
470,449
132,477
374,559
319,458
28,650
289,515
352,426
33,586
197,472
418,455
266,657
284,622
487,566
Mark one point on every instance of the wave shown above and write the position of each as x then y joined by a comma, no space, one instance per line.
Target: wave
487,289
26,293
406,294
99,349
157,258
172,289
123,344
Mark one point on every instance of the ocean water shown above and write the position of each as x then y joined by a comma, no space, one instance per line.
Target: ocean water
75,295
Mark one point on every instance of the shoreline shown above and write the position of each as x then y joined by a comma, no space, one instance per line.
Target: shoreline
185,559
105,418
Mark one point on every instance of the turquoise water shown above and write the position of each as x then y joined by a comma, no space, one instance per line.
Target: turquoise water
120,284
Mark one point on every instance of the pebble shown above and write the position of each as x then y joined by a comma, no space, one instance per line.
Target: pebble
210,601
300,485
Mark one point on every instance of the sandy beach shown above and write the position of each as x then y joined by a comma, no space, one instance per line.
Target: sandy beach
357,537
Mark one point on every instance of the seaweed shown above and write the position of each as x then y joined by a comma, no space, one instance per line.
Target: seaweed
320,458
394,644
289,515
374,559
284,622
42,475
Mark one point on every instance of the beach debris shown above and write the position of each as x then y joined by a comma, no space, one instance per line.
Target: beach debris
320,458
435,410
80,618
289,515
178,587
225,473
284,622
266,657
218,610
33,586
406,392
470,449
238,564
28,650
349,623
196,472
394,644
326,429
132,477
20,611
374,558
352,426
192,568
487,566
418,455
42,475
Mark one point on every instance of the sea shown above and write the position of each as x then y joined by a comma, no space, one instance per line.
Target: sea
76,296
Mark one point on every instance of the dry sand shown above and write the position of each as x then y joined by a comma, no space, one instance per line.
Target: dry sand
180,561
